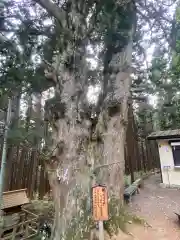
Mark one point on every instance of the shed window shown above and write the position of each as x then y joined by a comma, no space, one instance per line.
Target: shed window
176,154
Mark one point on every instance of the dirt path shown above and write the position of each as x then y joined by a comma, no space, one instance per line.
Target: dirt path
157,206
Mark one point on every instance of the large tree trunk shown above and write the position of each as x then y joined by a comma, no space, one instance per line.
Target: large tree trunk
115,137
86,147
76,154
68,172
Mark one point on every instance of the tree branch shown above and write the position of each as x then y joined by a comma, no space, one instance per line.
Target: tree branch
51,8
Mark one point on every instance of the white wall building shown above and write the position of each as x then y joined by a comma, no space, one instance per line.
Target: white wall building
169,153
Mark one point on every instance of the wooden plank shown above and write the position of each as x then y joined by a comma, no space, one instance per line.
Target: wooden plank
137,182
30,236
9,236
11,220
26,230
14,234
14,199
20,224
13,237
14,191
33,230
30,213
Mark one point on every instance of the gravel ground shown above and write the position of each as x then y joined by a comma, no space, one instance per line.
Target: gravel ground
157,206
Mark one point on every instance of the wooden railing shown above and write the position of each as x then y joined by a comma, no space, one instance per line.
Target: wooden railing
25,229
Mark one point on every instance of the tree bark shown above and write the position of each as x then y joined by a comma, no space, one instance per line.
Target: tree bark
80,145
24,151
74,154
117,125
51,8
12,150
37,141
130,146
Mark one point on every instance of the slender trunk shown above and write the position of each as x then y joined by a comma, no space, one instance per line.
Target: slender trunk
42,181
127,170
12,150
143,156
130,146
147,155
136,145
36,145
24,151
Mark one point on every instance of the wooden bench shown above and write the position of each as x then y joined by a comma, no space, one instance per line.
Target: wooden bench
17,223
138,183
129,191
132,189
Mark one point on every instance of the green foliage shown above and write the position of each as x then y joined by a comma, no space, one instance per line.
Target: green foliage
19,135
119,217
38,237
82,223
43,208
127,180
164,79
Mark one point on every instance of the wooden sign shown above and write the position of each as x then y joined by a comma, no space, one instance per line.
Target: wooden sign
100,203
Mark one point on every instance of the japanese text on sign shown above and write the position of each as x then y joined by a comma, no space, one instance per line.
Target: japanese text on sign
100,203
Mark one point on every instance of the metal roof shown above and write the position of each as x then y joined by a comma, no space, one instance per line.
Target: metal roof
164,134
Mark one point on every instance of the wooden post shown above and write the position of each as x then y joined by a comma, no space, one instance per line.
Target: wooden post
14,233
26,230
101,230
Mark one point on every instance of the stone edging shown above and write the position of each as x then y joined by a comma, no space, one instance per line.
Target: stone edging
172,186
145,176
